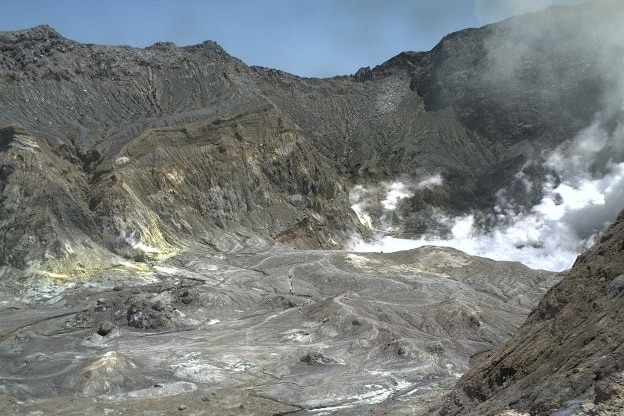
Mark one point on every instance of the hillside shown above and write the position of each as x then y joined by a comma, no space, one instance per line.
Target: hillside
130,125
568,355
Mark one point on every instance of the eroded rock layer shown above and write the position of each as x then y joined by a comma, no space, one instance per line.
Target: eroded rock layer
146,149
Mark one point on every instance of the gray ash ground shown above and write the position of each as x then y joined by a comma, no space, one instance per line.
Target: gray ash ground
273,332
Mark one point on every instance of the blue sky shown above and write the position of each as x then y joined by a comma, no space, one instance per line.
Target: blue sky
306,37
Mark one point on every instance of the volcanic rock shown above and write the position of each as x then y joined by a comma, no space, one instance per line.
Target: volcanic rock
135,153
316,357
568,354
105,328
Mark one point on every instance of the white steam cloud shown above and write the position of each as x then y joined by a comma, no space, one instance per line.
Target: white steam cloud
136,244
396,191
489,10
583,190
430,182
581,197
374,205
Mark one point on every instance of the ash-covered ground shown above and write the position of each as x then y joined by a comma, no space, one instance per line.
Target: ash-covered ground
274,331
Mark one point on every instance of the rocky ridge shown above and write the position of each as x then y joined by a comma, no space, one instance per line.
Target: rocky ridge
127,122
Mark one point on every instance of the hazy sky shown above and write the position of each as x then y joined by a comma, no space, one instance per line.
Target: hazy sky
305,37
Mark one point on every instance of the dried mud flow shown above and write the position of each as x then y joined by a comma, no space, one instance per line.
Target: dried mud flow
272,332
173,224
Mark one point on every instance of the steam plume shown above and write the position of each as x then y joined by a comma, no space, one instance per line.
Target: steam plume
583,190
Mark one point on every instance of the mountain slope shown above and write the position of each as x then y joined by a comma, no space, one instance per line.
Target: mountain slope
484,106
569,354
150,200
478,108
171,147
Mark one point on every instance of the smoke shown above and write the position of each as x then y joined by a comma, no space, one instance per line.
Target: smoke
493,10
396,191
582,189
430,182
133,241
581,195
375,204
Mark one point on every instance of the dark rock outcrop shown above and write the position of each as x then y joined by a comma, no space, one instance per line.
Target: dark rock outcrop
568,354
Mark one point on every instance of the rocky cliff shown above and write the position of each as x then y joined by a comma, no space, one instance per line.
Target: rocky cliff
567,358
140,152
149,149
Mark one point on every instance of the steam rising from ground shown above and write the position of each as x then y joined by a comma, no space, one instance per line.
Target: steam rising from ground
581,195
377,204
583,189
134,242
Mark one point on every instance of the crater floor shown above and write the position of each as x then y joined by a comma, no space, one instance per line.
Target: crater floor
273,332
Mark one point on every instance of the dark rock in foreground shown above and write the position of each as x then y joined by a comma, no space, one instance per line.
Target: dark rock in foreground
570,352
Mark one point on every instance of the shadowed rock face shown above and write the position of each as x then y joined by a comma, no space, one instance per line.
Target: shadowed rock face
152,201
568,356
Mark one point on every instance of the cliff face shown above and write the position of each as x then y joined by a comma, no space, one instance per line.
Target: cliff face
568,354
166,145
142,152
